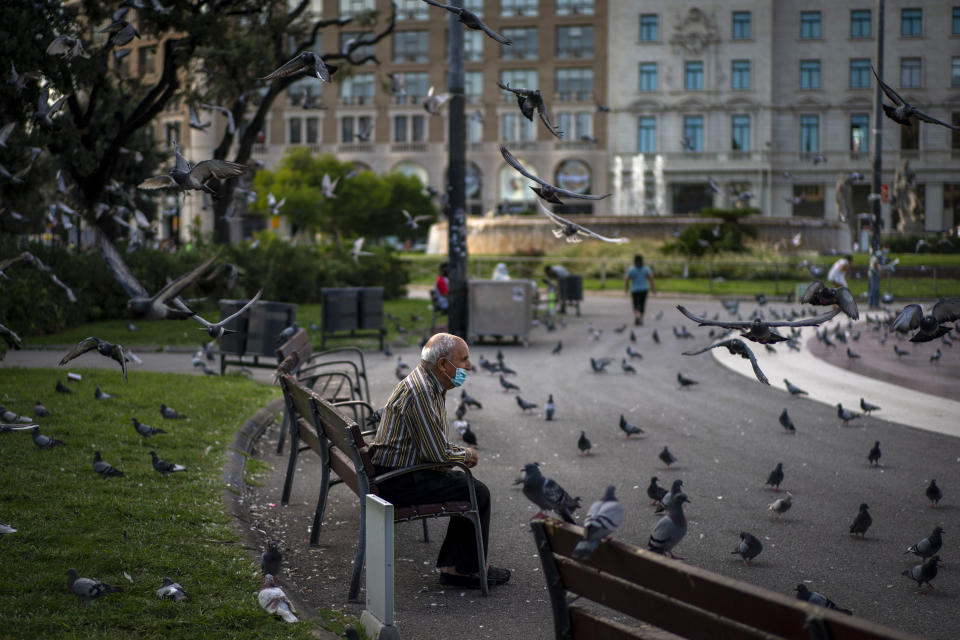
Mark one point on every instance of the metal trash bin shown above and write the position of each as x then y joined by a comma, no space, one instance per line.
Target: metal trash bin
500,308
340,309
371,308
233,343
571,292
267,321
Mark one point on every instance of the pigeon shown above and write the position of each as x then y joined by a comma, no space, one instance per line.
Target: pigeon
627,428
670,529
675,488
758,330
271,559
186,177
924,572
169,413
98,394
524,405
748,548
104,348
602,519
874,455
356,252
900,352
173,590
67,46
433,102
934,493
471,21
573,232
929,546
327,186
737,347
685,382
557,348
62,388
787,422
5,528
781,505
583,443
274,600
461,410
12,417
218,329
599,364
121,33
793,389
550,408
547,191
626,366
10,337
507,385
45,442
195,120
936,356
547,494
903,111
655,492
88,588
634,354
41,411
867,407
776,477
655,336
145,429
930,326
105,469
818,599
163,467
156,307
861,521
530,100
819,294
308,63
414,221
666,457
852,355
469,436
845,415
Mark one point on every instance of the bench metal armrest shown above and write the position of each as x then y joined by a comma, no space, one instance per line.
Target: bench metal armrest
396,473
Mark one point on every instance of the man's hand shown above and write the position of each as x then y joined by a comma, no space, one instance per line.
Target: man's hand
474,457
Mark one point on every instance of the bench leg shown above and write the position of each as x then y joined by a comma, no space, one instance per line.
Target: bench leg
358,558
283,430
426,531
291,465
481,560
321,504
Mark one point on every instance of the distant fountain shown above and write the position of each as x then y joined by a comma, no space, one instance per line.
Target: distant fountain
660,187
639,184
618,207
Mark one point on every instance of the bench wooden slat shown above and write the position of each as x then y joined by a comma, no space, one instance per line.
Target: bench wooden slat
308,435
587,625
341,464
645,604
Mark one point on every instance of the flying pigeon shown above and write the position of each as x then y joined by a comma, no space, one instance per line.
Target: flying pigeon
737,347
231,123
934,494
583,443
685,382
602,519
327,186
655,492
903,111
930,326
307,62
794,389
867,407
274,600
471,21
169,413
218,329
547,191
163,467
845,415
357,251
820,294
547,494
748,548
627,428
874,456
530,100
104,348
758,330
550,408
157,306
787,422
818,599
271,559
524,405
105,469
666,457
88,588
45,442
145,429
414,221
924,573
781,505
67,46
776,477
186,177
670,529
861,521
929,546
11,338
173,590
433,102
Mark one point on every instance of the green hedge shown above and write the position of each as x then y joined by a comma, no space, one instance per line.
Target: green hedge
33,304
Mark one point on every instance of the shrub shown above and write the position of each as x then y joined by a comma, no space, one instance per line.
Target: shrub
708,237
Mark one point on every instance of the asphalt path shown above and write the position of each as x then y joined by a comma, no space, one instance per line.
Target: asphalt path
725,434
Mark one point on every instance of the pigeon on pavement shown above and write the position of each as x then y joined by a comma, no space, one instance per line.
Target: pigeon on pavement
776,477
867,407
105,469
104,348
670,529
675,488
861,521
550,408
547,494
271,559
934,494
655,492
803,593
469,436
469,400
145,429
929,546
600,364
793,389
169,413
583,443
781,505
748,548
685,382
874,456
900,352
557,349
603,517
666,457
173,590
163,467
924,573
845,415
737,347
626,366
524,405
45,442
787,422
274,600
627,428
88,588
507,385
634,354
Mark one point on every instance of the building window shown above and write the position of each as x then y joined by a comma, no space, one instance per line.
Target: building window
860,23
910,73
955,72
474,128
955,29
517,79
400,128
172,133
472,45
859,132
147,60
646,134
510,8
810,134
741,25
415,86
357,89
361,50
693,75
303,91
740,129
809,74
349,8
313,130
648,76
575,126
911,23
693,133
514,127
474,6
575,83
418,128
524,45
410,46
860,73
649,26
809,25
412,10
574,7
740,75
346,129
955,136
584,120
910,136
473,86
294,131
575,42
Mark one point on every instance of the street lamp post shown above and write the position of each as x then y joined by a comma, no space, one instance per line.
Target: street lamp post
456,191
877,137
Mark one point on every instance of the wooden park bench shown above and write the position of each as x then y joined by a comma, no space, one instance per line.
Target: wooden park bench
342,448
674,597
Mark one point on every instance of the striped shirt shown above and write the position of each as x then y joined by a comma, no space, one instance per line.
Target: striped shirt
413,428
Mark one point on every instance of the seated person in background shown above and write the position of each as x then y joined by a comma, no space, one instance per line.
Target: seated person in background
837,276
554,275
441,288
500,272
413,430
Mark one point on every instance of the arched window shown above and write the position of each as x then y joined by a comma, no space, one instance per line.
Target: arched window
573,175
513,186
413,169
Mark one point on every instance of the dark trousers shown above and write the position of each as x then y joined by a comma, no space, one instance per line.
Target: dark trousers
639,300
459,548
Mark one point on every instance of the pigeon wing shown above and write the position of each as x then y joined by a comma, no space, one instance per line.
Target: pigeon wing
847,303
295,65
593,234
947,310
493,34
219,169
887,89
157,182
805,322
753,362
707,348
920,115
121,273
443,6
706,322
812,292
908,319
545,119
81,348
173,289
239,313
513,162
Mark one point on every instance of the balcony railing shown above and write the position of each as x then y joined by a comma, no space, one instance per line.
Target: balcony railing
349,101
355,148
575,96
409,147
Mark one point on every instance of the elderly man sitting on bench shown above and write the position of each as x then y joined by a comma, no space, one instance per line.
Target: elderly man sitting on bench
413,430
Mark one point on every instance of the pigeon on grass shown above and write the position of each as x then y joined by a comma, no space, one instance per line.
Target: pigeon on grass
172,590
748,548
169,413
602,519
88,588
45,442
547,494
104,468
144,429
163,467
41,411
670,529
274,600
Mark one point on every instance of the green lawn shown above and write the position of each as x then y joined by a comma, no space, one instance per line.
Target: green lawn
142,524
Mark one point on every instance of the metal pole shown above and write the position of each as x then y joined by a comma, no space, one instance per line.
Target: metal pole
877,137
456,201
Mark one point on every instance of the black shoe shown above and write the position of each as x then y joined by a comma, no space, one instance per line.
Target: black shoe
495,577
636,322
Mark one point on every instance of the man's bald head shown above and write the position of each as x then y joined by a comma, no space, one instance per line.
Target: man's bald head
441,345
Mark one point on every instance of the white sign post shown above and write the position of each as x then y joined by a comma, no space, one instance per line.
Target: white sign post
377,618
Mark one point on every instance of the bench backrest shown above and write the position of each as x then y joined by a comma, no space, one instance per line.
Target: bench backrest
682,599
299,343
